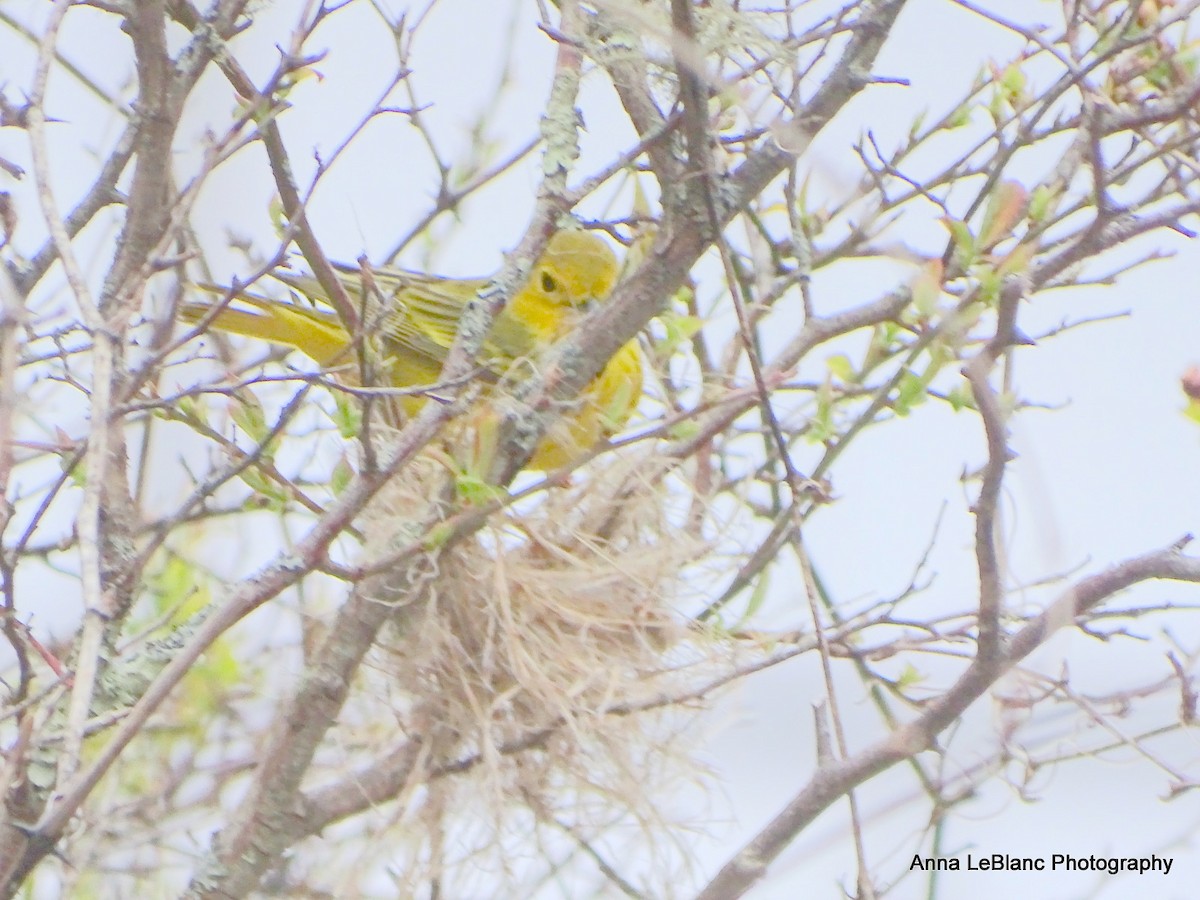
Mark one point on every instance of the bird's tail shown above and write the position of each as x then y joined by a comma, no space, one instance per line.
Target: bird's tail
317,334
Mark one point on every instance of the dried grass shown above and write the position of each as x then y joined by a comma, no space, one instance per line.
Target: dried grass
532,633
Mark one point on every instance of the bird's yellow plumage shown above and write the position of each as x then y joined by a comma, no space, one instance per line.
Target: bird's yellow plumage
415,318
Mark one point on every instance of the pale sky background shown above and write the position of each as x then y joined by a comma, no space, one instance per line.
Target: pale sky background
1111,474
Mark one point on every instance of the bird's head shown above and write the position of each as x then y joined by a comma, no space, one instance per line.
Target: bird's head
577,268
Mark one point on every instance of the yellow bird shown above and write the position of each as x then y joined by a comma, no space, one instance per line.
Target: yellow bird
415,318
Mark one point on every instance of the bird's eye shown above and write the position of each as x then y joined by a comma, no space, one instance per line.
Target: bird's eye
549,285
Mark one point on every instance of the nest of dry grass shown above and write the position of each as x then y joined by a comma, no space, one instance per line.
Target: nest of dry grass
555,612
535,638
